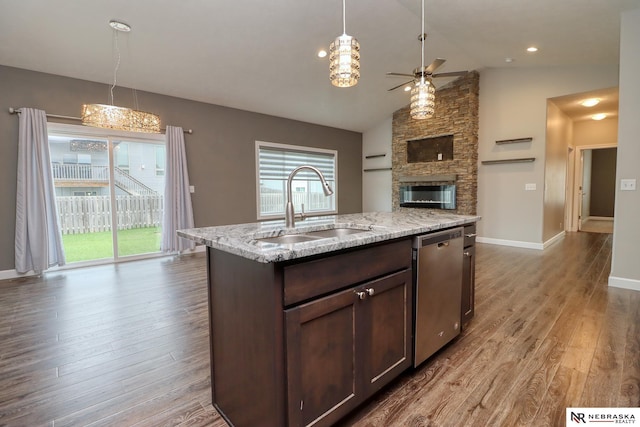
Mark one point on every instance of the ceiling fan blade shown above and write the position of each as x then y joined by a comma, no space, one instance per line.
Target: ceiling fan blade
434,65
451,74
400,74
403,84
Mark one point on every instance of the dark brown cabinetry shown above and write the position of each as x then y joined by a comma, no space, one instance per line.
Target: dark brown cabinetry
305,341
344,347
468,275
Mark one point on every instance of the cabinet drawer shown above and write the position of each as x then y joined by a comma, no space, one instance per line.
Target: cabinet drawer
310,279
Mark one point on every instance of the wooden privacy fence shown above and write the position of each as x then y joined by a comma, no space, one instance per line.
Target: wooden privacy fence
91,214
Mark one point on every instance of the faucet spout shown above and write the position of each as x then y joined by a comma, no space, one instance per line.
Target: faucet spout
289,214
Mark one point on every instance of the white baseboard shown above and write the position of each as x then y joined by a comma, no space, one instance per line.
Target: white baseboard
554,239
513,243
521,244
600,218
13,274
620,282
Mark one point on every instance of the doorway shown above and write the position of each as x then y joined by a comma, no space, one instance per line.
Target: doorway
595,182
109,191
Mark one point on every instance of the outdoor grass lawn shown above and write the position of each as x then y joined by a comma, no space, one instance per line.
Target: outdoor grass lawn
90,246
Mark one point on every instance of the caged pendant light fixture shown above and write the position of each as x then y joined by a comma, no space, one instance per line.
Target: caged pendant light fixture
423,94
119,118
344,58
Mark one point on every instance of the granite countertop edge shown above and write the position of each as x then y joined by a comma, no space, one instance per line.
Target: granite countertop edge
243,239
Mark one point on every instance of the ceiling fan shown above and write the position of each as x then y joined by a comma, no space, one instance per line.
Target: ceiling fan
426,72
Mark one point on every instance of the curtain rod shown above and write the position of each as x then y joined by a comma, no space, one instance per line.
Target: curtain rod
57,116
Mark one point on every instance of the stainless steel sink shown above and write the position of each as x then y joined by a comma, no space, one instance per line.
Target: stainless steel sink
289,239
335,232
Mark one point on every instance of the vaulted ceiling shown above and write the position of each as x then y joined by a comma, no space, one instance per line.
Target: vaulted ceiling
260,55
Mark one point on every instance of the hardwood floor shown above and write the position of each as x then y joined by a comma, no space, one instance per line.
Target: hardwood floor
128,345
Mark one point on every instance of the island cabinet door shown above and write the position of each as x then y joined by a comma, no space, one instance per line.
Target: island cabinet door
321,359
387,327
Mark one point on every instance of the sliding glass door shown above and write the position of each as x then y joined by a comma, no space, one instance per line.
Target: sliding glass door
109,192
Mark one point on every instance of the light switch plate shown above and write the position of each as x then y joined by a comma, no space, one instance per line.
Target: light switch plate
192,189
530,186
627,184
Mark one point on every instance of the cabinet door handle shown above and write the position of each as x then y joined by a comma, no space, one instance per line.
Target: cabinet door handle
467,254
370,291
361,295
470,235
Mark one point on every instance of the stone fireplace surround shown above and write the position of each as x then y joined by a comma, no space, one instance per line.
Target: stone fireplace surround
456,113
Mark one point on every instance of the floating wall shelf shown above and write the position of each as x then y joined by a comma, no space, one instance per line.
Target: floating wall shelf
373,156
522,160
514,141
377,169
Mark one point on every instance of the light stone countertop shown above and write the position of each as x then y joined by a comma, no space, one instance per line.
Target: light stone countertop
243,239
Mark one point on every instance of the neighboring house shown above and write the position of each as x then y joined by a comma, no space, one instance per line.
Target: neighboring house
81,167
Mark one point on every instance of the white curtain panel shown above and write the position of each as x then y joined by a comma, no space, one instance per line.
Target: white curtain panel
178,212
38,244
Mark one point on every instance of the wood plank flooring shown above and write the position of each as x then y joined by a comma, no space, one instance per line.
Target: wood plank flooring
127,345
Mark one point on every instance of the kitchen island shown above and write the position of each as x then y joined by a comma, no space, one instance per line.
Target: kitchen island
307,323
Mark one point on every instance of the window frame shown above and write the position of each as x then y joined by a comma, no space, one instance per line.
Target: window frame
302,149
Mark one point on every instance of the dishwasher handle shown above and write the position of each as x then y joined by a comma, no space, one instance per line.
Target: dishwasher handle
437,238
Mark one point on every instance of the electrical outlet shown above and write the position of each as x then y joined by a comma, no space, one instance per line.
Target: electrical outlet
439,156
627,184
192,189
530,187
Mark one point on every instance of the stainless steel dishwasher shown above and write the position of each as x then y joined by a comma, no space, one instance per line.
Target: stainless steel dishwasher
437,268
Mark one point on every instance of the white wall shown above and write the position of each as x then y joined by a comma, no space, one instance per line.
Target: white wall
625,269
376,185
513,104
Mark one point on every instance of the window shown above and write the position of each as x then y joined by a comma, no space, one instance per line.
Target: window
160,160
121,153
109,207
274,163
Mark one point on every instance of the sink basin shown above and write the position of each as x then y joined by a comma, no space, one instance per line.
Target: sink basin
334,232
288,239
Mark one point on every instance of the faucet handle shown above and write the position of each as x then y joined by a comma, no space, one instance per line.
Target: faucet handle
301,215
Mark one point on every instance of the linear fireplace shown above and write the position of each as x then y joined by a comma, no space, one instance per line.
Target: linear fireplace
428,196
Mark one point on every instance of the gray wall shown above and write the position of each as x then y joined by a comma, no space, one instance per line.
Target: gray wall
220,153
603,182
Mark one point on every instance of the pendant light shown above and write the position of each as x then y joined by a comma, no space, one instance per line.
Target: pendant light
120,118
423,94
344,58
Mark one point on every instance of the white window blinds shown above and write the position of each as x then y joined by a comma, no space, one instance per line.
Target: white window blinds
276,161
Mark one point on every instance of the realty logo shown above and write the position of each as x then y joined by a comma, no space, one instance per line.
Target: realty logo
577,417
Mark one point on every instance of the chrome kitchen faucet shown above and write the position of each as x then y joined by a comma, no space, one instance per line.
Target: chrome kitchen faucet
289,215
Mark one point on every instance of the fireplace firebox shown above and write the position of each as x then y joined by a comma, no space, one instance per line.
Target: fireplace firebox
428,196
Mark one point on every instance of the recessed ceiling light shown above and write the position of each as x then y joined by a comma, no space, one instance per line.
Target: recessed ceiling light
532,49
120,26
322,53
508,60
407,88
599,116
590,102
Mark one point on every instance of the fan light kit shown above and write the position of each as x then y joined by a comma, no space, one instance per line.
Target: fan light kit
120,118
423,91
344,58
